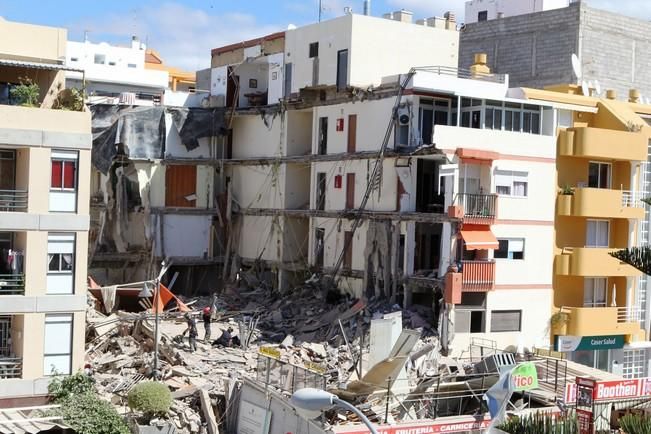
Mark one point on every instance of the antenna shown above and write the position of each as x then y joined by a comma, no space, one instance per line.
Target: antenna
576,66
584,88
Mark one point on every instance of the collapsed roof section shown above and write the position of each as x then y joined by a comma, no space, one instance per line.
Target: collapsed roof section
140,132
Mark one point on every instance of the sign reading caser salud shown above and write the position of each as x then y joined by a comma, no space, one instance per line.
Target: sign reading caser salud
579,343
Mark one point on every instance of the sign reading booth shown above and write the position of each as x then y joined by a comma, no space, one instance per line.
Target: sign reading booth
591,343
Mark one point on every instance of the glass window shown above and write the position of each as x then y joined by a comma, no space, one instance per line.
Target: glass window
510,248
597,233
64,174
599,175
512,183
61,261
506,320
594,292
57,354
314,49
100,59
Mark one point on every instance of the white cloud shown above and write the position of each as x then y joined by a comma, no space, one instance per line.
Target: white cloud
182,35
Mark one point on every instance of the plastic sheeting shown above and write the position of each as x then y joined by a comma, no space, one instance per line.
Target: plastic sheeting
139,132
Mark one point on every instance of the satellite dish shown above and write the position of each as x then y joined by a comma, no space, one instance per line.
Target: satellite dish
585,89
597,87
576,66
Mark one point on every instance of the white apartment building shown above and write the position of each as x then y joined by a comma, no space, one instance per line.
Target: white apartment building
483,10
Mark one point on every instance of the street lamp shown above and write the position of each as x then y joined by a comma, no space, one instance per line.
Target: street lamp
311,402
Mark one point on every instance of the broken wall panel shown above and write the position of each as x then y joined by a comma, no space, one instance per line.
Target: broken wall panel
183,235
256,137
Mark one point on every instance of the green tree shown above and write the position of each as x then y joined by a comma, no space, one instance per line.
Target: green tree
26,93
638,257
150,397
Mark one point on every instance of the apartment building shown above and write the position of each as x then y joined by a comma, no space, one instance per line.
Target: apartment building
600,302
44,216
131,74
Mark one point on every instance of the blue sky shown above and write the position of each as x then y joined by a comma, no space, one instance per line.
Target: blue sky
184,31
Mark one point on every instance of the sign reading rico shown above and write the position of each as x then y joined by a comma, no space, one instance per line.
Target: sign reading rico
524,377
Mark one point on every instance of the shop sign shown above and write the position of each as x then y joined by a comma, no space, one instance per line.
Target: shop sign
590,343
524,377
451,426
613,390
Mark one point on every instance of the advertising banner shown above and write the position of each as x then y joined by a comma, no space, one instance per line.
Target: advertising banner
566,344
524,377
614,390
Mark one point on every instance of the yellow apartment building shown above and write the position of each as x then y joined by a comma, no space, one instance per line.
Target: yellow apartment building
44,216
601,317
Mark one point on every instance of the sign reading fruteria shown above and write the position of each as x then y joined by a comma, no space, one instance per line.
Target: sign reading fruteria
524,377
581,343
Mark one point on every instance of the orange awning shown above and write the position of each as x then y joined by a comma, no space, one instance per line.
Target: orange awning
475,156
478,238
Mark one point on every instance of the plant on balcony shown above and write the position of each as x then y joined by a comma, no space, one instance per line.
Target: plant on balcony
67,99
63,387
567,190
635,424
26,93
559,320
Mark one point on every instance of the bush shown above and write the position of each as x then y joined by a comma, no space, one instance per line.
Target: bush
151,398
539,423
88,414
63,387
635,424
26,93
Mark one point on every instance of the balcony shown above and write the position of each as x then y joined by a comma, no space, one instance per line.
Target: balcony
35,125
599,321
10,367
478,209
12,284
601,203
591,261
586,142
13,200
475,276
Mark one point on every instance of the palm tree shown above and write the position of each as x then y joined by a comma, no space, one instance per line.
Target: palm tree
638,257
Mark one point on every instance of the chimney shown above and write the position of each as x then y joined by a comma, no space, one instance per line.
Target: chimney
611,94
634,96
480,67
135,43
367,7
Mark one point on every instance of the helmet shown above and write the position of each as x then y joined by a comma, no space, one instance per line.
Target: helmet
206,310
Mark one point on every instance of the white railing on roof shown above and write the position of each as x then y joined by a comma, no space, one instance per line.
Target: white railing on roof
629,314
463,73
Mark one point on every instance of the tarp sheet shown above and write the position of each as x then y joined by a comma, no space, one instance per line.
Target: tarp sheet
141,131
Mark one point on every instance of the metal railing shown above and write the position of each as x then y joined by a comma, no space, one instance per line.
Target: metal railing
13,200
11,367
478,205
628,314
632,199
463,73
12,284
477,276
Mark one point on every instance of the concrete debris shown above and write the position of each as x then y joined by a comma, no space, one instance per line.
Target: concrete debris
320,334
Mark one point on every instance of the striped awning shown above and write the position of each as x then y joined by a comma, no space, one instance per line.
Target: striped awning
28,420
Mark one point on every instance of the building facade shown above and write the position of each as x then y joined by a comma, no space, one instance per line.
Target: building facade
44,217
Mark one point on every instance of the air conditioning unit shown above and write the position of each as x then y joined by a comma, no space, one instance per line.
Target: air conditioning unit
403,116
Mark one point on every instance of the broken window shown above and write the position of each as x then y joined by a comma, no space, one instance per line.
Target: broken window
320,191
319,240
323,136
57,354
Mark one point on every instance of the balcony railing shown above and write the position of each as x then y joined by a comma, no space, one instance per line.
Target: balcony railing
12,284
632,199
628,314
478,208
478,276
13,200
10,367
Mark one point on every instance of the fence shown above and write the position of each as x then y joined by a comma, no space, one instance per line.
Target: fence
287,377
13,200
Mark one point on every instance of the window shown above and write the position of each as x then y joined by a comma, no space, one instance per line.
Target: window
599,175
510,248
597,233
482,16
512,114
5,336
594,292
314,49
323,136
594,359
320,191
131,65
634,363
471,113
74,59
511,183
57,354
342,70
470,313
493,119
100,59
531,119
64,171
111,63
61,261
506,320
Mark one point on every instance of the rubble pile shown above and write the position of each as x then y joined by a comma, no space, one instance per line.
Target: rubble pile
306,329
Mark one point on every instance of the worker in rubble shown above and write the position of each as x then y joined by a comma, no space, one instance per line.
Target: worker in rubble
226,339
207,318
191,331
